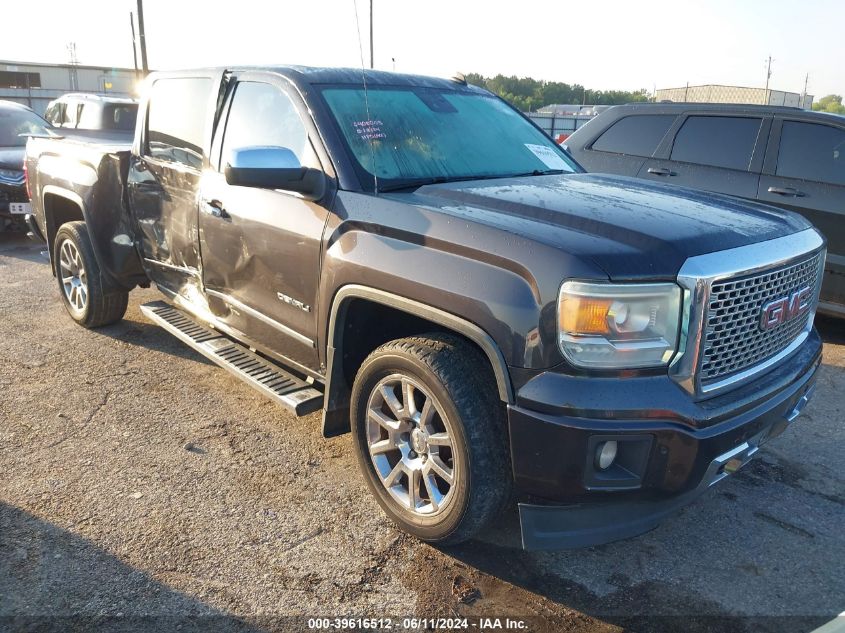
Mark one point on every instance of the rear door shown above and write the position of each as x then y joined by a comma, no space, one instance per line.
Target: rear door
714,153
164,176
805,172
261,247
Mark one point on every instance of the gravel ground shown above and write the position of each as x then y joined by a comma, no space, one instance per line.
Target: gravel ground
143,488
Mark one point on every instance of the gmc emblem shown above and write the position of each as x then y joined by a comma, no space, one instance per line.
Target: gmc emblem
785,309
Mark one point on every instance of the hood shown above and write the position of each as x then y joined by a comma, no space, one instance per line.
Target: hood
628,227
12,157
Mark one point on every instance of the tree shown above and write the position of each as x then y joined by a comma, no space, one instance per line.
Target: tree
830,103
527,93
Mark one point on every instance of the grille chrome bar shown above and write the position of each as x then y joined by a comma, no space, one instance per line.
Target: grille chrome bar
702,274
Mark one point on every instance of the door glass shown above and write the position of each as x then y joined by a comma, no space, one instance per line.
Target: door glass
52,114
88,116
262,115
176,119
635,135
71,114
811,151
719,141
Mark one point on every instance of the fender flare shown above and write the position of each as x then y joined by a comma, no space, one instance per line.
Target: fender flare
59,192
336,401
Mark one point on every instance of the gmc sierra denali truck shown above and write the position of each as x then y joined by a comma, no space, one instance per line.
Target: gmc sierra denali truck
416,258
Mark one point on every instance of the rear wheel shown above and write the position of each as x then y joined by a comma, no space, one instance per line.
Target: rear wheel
87,296
430,436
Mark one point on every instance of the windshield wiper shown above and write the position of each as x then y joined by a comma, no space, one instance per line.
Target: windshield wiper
541,172
415,183
436,180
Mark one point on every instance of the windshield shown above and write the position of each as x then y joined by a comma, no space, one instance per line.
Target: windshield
14,122
417,135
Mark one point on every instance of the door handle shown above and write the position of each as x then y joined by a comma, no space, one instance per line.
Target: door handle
214,208
661,171
786,191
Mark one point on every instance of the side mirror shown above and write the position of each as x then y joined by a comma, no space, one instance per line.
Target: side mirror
273,168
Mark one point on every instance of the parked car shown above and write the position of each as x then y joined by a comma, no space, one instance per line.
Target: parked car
793,159
92,112
16,121
478,312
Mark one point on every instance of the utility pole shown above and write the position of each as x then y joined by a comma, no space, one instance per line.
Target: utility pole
134,44
768,76
142,38
74,62
804,95
371,34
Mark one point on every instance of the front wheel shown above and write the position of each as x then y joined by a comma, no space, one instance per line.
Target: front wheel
87,296
430,436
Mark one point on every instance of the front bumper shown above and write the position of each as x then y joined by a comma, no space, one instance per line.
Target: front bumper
671,448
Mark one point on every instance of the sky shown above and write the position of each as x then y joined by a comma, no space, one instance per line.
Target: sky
603,44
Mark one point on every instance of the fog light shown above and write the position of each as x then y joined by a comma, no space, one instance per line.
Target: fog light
605,454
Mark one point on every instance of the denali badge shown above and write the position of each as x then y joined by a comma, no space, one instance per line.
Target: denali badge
293,302
785,309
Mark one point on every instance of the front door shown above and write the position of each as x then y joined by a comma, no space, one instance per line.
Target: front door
260,248
164,179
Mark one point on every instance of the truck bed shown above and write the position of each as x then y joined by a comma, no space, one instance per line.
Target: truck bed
81,175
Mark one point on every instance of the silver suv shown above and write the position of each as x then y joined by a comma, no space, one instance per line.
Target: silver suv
93,112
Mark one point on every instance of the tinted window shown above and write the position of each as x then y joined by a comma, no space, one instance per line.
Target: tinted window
120,117
176,119
717,140
812,152
262,114
635,135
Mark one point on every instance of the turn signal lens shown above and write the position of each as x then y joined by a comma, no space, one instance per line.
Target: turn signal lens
584,314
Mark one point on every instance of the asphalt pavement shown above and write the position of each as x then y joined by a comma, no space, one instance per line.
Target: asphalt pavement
143,488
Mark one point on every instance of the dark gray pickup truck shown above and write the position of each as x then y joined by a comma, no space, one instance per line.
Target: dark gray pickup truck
416,258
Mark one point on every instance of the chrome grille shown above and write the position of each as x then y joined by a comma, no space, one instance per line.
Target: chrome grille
733,340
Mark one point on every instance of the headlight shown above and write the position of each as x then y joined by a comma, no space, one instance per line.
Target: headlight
11,175
618,326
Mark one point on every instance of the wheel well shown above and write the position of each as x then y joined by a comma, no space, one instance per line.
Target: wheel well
362,326
360,338
58,210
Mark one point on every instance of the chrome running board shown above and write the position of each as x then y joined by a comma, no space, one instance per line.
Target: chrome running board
295,394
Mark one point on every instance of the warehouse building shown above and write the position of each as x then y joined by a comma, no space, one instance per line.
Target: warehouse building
35,85
734,94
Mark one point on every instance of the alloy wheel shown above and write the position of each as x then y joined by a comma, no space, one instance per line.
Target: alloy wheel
410,444
74,280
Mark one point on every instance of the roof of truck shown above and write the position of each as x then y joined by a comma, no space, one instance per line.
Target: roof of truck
314,75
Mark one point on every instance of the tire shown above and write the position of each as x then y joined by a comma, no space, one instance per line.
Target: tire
457,381
87,296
